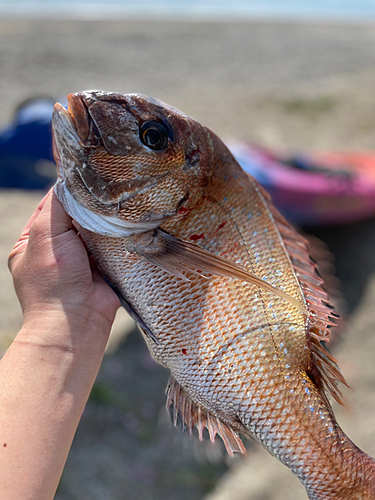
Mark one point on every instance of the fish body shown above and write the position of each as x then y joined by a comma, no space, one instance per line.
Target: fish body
220,284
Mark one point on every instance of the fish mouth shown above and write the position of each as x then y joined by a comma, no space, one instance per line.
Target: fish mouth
65,137
73,130
80,116
76,120
63,120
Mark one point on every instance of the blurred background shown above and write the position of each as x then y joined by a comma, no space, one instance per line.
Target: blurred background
296,78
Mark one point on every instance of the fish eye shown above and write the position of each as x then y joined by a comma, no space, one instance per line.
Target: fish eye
153,135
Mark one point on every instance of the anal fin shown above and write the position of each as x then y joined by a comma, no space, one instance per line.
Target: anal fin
192,415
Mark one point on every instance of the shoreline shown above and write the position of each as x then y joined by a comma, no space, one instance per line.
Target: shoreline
208,18
281,84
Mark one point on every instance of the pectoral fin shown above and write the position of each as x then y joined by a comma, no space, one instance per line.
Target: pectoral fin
178,256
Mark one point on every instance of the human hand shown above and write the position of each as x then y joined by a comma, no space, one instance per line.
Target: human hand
47,373
54,277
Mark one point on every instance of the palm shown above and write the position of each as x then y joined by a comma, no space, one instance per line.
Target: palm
50,264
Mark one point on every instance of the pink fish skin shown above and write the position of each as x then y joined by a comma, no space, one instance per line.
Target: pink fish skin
222,287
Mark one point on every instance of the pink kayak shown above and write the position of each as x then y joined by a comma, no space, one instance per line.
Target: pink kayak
312,188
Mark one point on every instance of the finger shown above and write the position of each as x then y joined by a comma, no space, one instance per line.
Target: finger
22,241
18,249
26,230
53,220
37,212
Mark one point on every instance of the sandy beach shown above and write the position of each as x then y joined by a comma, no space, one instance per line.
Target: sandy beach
285,85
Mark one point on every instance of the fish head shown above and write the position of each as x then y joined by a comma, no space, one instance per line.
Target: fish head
128,157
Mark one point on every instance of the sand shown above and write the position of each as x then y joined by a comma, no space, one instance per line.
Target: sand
285,85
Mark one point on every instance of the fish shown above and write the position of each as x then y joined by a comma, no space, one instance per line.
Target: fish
221,285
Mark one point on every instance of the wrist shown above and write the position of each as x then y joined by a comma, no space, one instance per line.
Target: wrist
45,379
56,327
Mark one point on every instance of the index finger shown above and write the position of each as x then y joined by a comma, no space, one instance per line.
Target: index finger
21,243
36,213
53,220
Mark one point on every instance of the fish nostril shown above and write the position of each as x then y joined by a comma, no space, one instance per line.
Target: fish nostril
80,116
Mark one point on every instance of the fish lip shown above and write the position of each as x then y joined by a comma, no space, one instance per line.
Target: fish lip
85,124
62,117
56,153
63,126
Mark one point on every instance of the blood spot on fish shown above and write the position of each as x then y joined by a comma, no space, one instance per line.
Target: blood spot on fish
184,351
221,226
196,237
192,159
4,445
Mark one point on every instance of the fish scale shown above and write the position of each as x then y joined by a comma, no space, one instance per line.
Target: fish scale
222,287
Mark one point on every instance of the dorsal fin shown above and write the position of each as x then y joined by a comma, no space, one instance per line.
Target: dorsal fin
192,415
322,316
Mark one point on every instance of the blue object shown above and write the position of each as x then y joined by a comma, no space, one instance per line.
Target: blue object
26,157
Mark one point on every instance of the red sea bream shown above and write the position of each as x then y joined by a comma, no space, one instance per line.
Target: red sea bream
221,285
